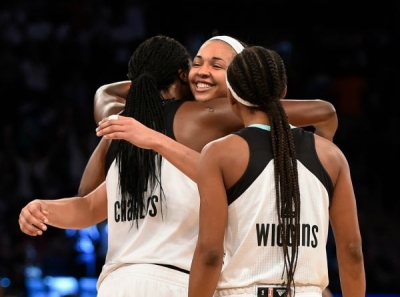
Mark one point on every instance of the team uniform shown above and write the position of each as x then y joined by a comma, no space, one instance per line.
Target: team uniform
254,263
151,255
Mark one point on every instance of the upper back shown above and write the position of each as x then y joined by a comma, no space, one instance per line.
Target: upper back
252,210
261,154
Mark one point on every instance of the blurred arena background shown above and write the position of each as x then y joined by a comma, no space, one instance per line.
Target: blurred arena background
55,54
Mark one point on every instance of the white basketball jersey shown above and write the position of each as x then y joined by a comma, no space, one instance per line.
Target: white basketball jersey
166,233
253,247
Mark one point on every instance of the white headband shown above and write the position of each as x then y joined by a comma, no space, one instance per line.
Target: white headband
244,102
238,47
234,43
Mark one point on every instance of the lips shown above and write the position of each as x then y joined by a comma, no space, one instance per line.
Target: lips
202,86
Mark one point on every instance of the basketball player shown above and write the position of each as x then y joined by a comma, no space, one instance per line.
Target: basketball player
197,123
164,253
267,195
142,257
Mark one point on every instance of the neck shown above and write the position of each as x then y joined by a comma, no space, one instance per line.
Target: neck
255,117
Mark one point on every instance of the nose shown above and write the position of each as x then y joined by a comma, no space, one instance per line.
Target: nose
203,70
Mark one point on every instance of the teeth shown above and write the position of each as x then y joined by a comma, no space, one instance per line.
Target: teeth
203,86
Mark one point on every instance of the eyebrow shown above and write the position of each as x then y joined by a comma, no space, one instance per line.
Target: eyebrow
212,58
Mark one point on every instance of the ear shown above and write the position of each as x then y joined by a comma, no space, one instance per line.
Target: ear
183,75
284,92
232,101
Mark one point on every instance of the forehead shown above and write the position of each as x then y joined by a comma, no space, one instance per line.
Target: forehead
216,49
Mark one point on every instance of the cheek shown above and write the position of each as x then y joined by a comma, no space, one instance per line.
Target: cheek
191,76
220,82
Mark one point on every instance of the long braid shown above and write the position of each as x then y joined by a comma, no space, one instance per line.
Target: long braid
258,76
152,68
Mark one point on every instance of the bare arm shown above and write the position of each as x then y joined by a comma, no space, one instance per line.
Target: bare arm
129,129
316,112
301,113
208,256
94,173
344,220
110,99
65,213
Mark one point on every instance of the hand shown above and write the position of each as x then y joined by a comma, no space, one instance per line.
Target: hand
129,129
33,218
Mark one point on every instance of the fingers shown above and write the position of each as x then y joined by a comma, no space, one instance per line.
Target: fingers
109,132
112,119
33,219
108,127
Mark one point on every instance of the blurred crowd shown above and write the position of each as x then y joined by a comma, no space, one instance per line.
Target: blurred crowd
53,57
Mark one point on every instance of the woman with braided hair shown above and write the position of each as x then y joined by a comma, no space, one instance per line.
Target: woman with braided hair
196,122
267,193
142,257
152,206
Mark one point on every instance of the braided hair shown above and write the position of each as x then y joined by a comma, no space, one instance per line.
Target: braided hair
153,67
258,76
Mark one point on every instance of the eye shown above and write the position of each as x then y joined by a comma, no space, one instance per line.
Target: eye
196,62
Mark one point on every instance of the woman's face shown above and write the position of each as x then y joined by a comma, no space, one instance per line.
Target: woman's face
207,75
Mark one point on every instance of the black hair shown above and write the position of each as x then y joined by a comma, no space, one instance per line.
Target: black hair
258,75
153,67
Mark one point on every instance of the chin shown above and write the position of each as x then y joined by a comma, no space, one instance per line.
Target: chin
203,97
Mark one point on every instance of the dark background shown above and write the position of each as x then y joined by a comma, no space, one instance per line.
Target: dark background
55,54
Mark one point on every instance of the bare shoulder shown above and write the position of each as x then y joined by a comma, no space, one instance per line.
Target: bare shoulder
331,157
230,154
198,123
226,147
221,145
207,108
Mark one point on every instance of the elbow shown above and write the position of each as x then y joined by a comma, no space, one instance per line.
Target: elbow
355,253
351,253
328,126
211,257
331,113
331,108
328,108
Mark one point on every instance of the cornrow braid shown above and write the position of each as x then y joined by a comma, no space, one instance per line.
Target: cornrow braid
258,76
153,67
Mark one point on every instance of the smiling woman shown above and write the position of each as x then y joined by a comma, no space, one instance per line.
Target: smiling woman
207,75
260,177
54,54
